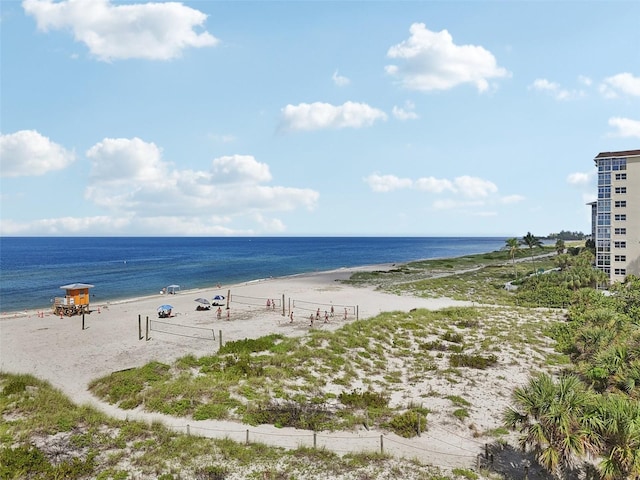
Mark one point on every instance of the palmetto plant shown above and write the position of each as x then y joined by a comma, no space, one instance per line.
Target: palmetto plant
553,418
620,430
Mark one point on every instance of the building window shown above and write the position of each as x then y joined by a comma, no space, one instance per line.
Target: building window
619,244
621,217
620,258
619,164
621,176
620,231
621,189
621,203
604,192
620,271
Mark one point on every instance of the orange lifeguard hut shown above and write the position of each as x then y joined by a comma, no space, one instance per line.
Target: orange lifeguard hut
75,302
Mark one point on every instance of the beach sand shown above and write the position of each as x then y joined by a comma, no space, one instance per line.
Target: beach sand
58,350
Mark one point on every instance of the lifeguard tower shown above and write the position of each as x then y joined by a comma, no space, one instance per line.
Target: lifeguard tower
75,301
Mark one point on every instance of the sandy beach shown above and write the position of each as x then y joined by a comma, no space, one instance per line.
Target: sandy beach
59,350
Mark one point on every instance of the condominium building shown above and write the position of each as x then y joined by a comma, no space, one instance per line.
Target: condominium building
617,214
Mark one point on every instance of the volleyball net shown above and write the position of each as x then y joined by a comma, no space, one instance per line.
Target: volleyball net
178,330
331,309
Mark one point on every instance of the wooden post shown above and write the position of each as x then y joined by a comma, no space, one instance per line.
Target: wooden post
357,312
147,327
82,320
283,305
188,430
220,337
289,305
247,440
418,424
228,298
139,327
314,440
381,445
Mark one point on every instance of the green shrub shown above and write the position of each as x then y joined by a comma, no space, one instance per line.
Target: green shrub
472,361
358,399
408,424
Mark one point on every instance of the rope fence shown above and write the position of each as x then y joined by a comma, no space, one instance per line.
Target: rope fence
349,444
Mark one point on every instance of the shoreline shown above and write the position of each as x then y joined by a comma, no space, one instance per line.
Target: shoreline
122,300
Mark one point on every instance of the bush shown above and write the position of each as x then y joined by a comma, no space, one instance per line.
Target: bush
358,399
472,361
406,424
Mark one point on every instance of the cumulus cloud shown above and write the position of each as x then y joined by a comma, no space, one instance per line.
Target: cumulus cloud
29,153
474,187
318,115
580,178
621,84
625,127
339,80
432,61
465,185
131,175
555,90
387,183
434,185
155,31
406,112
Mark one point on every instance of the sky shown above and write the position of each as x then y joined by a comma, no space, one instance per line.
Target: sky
311,118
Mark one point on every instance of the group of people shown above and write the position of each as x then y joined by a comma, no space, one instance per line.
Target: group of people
316,318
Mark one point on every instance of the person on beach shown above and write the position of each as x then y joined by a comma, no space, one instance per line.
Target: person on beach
318,314
268,303
291,317
345,313
311,318
326,317
331,311
219,313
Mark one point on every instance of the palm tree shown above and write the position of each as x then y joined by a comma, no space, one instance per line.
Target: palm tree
560,246
554,420
513,245
531,241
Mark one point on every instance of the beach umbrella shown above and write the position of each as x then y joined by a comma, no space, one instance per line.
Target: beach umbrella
203,301
219,297
164,308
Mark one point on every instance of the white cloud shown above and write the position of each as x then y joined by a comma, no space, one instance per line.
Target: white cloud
387,183
28,153
155,31
434,185
555,90
620,84
509,199
129,175
431,61
474,187
318,115
580,178
626,127
406,112
339,80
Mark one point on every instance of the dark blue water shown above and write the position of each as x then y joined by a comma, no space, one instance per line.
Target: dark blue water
32,269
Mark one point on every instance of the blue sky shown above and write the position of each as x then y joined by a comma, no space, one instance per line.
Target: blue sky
266,118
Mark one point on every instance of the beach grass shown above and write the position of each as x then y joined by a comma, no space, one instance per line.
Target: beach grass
45,435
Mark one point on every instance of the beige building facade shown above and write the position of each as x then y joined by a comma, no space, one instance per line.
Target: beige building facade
617,214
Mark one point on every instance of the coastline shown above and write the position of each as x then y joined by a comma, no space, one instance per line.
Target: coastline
342,273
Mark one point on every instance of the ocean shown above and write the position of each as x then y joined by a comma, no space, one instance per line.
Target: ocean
32,269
